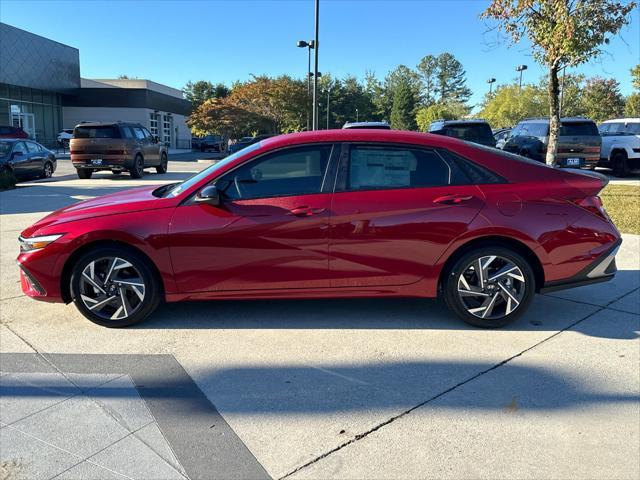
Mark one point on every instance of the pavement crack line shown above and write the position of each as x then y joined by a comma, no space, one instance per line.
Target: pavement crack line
365,434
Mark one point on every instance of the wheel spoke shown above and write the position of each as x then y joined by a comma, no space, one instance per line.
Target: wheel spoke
487,312
508,268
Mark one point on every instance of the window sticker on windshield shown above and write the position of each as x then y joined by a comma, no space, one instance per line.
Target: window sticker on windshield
381,168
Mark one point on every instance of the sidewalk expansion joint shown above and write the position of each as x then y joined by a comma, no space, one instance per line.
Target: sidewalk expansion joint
365,434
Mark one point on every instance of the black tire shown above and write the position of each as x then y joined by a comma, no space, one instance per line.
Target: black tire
116,172
151,291
164,164
465,264
620,164
47,170
84,173
137,170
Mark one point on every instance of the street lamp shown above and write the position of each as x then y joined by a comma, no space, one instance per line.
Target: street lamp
520,68
490,81
356,114
315,67
308,45
328,94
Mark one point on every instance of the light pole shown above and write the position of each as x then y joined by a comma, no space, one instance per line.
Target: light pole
520,68
356,114
315,67
328,94
490,81
308,45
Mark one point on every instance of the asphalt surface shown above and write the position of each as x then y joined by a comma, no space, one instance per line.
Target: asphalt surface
378,388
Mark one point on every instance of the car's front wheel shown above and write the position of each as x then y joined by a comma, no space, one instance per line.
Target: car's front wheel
114,286
164,163
619,164
489,287
47,170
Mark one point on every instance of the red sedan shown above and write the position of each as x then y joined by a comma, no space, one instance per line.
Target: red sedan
346,213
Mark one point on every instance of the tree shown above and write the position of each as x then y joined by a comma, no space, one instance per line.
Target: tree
635,77
561,32
428,70
402,111
198,92
402,75
632,105
445,111
451,82
602,99
509,104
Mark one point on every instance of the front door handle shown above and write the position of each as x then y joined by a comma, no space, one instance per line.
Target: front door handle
453,199
305,211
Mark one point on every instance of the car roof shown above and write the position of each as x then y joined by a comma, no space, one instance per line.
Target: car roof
348,125
361,135
105,124
563,120
461,121
625,120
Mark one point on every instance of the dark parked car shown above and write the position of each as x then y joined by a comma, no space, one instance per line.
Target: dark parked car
12,132
578,142
240,144
117,146
26,158
474,130
213,143
333,213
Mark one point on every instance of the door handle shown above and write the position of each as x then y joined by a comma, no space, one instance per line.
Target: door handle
453,199
305,211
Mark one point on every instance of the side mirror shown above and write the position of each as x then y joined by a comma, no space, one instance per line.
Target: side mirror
209,195
155,139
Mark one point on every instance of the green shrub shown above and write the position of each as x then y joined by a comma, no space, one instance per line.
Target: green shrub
7,179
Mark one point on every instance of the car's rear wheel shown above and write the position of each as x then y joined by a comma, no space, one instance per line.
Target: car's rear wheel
114,286
47,170
84,173
164,163
137,170
489,287
619,164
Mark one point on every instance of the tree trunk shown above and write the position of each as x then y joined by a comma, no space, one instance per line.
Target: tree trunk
554,114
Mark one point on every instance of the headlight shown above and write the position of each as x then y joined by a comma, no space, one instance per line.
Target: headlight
36,243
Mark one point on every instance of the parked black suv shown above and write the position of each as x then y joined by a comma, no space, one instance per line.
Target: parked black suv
578,142
473,130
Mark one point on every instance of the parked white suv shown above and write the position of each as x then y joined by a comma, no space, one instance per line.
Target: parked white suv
620,145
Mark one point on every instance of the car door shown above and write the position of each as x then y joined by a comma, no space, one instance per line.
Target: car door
270,230
36,158
394,212
152,149
20,160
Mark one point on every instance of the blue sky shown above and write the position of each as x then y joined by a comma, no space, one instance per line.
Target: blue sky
172,42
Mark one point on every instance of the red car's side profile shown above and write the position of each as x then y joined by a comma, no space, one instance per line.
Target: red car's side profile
345,213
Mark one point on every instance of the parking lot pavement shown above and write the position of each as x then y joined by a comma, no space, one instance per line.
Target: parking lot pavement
379,388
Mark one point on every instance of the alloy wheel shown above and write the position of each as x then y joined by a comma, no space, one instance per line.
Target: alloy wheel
48,171
112,288
491,287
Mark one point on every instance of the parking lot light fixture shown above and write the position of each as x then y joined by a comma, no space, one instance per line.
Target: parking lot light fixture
308,45
520,68
491,81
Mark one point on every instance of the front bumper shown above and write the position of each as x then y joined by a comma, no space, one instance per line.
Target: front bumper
602,269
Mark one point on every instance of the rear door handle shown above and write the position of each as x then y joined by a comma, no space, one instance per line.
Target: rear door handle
305,211
453,199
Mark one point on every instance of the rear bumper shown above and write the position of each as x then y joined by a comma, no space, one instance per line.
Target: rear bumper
602,269
109,162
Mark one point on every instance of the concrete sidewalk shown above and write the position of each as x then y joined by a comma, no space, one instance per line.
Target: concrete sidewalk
340,388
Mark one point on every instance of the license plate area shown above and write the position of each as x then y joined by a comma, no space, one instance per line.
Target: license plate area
96,161
574,162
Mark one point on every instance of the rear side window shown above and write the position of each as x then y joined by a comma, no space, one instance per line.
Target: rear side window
106,131
373,167
32,147
20,147
538,129
477,133
575,129
126,132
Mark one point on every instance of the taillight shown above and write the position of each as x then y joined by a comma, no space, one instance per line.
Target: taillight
593,205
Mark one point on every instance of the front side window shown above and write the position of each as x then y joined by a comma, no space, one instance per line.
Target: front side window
373,167
633,128
139,133
126,132
32,147
295,171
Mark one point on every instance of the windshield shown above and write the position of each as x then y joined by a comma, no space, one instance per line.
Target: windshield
100,131
187,184
5,148
574,129
478,133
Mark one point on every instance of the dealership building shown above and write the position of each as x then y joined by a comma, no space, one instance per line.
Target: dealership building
41,90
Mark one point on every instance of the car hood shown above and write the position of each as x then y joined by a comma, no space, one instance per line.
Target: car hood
134,200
